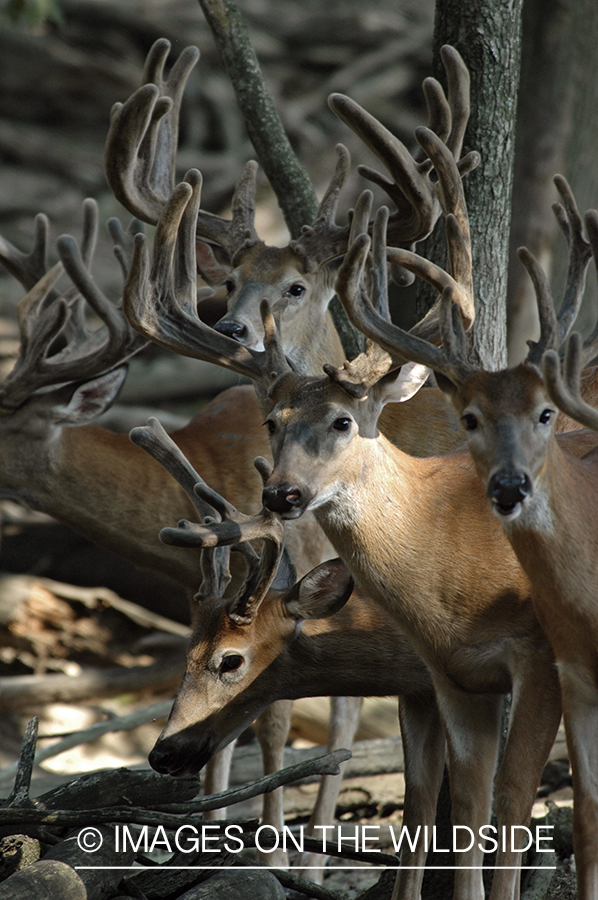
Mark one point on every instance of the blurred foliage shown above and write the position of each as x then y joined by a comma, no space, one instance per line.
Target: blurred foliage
33,15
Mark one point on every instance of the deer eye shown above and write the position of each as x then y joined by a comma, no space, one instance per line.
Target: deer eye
295,290
270,425
229,285
545,416
342,424
231,663
470,423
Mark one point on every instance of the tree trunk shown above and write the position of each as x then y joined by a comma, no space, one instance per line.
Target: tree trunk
488,36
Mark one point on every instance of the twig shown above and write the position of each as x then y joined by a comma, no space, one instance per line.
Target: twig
19,796
323,765
116,723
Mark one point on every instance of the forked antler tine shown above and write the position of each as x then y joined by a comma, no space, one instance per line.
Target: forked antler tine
235,531
30,370
140,155
410,187
406,188
123,240
554,327
159,299
402,346
448,117
103,349
565,390
28,268
324,240
130,153
580,254
154,440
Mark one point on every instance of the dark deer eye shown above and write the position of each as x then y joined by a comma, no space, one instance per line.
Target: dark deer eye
470,423
296,290
342,424
229,286
270,426
545,416
231,663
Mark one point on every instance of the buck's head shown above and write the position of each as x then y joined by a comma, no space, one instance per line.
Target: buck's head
508,419
240,657
317,425
238,664
297,293
508,416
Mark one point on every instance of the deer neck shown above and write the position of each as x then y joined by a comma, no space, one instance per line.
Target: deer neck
314,342
390,524
560,525
382,660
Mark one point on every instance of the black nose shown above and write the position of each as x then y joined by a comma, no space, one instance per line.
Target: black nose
231,328
159,760
507,488
281,499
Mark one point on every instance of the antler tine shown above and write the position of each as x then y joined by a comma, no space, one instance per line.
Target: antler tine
554,327
123,241
590,346
449,118
566,391
410,187
140,154
154,440
104,348
324,239
580,254
28,268
160,300
235,531
30,370
402,346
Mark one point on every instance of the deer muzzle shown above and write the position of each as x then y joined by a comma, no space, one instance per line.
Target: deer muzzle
507,489
288,500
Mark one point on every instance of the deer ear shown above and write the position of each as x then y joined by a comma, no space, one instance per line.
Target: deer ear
320,593
211,270
92,398
412,376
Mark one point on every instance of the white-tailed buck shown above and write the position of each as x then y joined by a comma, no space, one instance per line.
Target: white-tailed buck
55,460
545,498
416,534
267,644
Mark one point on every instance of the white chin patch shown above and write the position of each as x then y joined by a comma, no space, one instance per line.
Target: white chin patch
507,514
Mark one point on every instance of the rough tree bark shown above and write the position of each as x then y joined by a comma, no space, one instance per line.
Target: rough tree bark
488,36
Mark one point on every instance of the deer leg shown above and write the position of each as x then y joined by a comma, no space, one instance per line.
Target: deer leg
580,711
533,723
424,751
217,774
472,724
344,719
272,729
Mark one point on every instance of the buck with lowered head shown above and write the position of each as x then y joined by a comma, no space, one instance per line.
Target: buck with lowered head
544,498
441,567
266,644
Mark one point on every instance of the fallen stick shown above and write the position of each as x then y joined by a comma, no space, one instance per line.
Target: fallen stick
323,765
